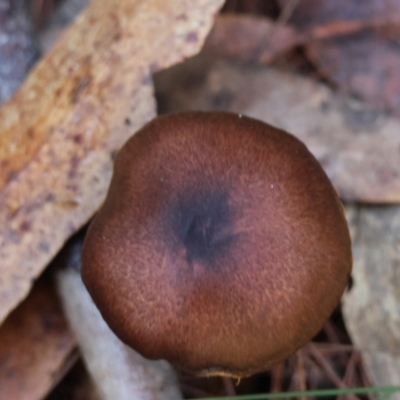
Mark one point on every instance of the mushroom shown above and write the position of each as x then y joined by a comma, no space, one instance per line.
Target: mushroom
221,246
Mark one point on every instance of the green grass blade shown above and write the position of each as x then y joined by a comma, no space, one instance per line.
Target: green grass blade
384,391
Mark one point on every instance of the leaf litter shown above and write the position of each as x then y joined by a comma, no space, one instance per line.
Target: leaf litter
364,138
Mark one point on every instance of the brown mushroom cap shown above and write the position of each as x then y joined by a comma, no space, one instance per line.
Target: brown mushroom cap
221,247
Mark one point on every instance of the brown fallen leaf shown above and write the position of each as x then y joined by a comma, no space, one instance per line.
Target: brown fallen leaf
372,307
36,345
357,147
364,63
59,133
261,39
250,38
308,13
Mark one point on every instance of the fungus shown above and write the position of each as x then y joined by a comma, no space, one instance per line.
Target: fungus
221,246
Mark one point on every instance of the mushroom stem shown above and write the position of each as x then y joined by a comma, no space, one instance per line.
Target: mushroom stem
118,371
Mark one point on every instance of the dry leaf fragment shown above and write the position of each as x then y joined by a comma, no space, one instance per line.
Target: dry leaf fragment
250,38
357,147
309,13
372,307
36,345
60,131
364,63
335,46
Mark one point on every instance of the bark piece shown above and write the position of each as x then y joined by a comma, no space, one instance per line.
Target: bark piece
59,133
357,147
36,345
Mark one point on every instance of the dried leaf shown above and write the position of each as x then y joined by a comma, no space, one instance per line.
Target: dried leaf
309,13
262,40
365,63
357,147
36,345
60,131
372,307
250,38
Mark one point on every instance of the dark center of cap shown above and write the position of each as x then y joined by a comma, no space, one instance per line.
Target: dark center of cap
203,224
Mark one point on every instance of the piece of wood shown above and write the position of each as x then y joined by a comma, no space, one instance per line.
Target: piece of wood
61,130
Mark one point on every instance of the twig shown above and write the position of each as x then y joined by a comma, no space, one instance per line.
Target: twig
287,12
351,368
229,386
329,348
330,373
277,378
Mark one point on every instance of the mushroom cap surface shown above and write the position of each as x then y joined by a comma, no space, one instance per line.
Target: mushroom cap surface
221,246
